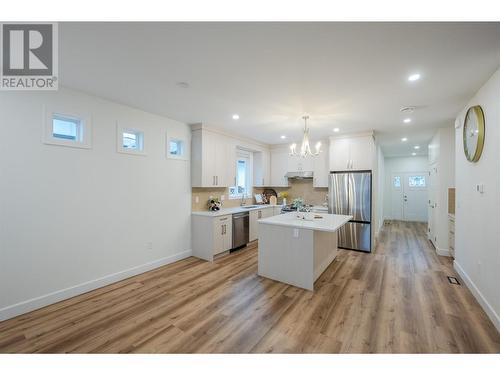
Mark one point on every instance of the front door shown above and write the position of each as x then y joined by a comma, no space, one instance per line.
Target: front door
409,196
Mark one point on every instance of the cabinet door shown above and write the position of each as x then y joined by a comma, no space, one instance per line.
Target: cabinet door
321,170
267,212
222,233
279,166
362,153
276,211
261,167
208,159
228,234
339,154
231,164
252,233
218,229
221,161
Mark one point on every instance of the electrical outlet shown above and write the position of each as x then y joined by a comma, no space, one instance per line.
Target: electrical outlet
149,246
197,199
222,197
295,233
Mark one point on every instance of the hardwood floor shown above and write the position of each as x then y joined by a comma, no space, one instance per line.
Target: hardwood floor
395,300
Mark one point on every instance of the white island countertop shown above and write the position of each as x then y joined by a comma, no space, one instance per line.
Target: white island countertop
322,222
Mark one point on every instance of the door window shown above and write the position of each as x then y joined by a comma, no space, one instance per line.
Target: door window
416,181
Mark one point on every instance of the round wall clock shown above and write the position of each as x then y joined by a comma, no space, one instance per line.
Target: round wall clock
474,133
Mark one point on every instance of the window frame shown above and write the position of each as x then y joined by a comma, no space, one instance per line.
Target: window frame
240,154
84,131
417,186
183,155
120,130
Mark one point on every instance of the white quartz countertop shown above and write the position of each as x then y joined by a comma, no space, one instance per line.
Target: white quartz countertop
327,222
233,210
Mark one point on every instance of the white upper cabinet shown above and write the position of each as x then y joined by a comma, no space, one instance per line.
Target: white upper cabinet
321,168
299,164
279,167
356,152
210,164
261,168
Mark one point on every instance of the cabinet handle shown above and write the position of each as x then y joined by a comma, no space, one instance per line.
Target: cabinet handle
222,229
217,180
262,181
213,180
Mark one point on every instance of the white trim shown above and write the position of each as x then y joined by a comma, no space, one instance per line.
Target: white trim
443,252
59,295
495,319
85,131
141,151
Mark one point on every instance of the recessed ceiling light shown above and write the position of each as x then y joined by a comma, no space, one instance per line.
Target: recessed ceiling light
283,137
416,147
236,117
413,153
404,139
414,77
407,120
336,130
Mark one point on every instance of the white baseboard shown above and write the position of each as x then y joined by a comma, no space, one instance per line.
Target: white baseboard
442,252
59,295
478,295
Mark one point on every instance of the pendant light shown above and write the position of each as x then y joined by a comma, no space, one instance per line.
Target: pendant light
305,148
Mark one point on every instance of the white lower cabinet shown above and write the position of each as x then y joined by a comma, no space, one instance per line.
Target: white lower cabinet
256,215
211,235
276,210
223,234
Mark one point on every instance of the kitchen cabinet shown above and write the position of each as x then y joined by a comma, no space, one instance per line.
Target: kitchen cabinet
279,167
223,229
255,215
356,152
321,168
261,168
299,164
212,235
276,210
210,161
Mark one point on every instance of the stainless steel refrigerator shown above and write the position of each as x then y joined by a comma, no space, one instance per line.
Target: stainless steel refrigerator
350,193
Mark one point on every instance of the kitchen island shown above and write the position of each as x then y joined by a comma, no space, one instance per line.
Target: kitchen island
296,248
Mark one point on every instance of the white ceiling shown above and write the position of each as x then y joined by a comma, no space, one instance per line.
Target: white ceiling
347,75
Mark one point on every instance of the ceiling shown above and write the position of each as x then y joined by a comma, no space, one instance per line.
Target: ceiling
347,75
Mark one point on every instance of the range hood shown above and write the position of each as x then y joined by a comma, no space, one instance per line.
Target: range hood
300,174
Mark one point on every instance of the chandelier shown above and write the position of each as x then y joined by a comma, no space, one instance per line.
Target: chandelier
305,148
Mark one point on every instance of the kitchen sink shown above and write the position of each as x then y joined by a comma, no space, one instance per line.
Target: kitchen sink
250,206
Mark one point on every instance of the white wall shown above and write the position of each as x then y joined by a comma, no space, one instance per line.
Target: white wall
395,165
477,234
74,219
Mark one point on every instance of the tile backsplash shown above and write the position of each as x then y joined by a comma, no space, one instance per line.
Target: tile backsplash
298,189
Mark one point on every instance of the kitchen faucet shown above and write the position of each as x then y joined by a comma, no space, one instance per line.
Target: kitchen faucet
243,200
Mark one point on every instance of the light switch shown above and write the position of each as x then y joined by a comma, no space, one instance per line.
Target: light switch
295,233
222,197
480,188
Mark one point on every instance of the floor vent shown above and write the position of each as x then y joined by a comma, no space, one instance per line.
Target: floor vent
453,280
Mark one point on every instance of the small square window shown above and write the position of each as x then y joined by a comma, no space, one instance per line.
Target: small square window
175,147
130,141
67,130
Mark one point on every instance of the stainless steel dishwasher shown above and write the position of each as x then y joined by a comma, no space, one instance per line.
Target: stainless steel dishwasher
241,224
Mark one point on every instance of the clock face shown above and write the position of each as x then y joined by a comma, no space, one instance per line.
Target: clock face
473,133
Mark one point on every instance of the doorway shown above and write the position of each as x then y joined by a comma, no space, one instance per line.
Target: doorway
409,196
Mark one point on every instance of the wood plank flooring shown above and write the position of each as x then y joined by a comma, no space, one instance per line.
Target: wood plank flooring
395,300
